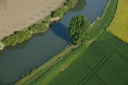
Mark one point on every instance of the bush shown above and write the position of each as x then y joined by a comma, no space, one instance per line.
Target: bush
39,27
60,12
18,37
69,3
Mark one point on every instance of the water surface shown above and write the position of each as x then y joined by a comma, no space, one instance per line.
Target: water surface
16,61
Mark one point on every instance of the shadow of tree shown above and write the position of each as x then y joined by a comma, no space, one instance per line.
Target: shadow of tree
62,31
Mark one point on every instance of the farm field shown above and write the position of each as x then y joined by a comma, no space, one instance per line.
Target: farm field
16,15
104,63
119,25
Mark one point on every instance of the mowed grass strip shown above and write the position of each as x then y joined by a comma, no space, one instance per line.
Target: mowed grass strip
49,70
119,25
36,73
100,25
101,64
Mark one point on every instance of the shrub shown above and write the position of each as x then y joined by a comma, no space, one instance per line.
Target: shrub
39,27
60,12
18,37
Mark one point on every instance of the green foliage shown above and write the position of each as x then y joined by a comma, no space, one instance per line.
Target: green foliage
70,3
46,21
39,27
77,29
18,37
61,11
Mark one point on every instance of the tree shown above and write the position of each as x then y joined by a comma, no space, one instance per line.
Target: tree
77,29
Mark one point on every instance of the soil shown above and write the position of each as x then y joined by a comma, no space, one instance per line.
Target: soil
16,15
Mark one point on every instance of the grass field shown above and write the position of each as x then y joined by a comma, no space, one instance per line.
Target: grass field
104,63
119,25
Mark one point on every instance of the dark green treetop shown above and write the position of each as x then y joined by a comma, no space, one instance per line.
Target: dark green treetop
77,29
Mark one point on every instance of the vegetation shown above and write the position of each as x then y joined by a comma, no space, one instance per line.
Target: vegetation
79,6
119,25
18,37
70,3
61,11
77,29
105,62
39,27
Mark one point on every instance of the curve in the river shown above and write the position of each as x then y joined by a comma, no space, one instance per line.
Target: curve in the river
16,61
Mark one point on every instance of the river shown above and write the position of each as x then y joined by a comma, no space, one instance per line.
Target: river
18,60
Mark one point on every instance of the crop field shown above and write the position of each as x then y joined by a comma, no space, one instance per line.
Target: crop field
104,63
119,25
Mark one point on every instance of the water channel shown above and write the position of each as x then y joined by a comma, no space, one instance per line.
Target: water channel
16,61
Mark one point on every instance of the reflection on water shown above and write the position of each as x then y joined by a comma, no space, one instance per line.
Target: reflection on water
79,6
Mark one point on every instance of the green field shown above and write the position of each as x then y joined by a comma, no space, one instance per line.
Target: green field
104,63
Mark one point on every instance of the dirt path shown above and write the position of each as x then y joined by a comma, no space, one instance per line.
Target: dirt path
18,14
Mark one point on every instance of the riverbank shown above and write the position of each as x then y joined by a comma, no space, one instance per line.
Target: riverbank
18,15
45,76
39,27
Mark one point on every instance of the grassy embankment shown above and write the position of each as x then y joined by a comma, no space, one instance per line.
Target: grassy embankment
39,27
100,25
43,77
119,25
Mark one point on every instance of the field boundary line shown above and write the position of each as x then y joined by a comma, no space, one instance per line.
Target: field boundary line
94,76
95,68
116,51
